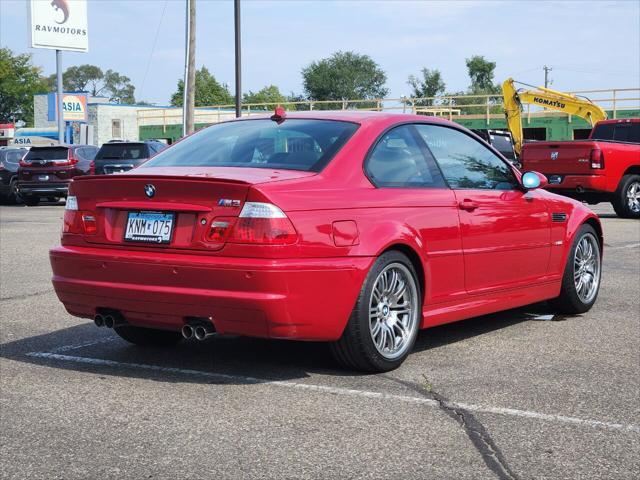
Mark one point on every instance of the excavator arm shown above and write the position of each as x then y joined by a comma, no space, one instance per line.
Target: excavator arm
546,98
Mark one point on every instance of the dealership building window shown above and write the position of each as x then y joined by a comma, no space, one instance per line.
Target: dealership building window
116,128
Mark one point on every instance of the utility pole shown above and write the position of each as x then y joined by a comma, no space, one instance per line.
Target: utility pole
59,90
236,17
188,99
546,75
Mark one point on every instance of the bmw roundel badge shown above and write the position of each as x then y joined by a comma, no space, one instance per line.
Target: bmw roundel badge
149,190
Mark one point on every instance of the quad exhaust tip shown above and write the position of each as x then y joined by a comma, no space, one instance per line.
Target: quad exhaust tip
98,320
109,321
187,332
202,332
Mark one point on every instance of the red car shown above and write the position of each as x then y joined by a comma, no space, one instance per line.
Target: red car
348,227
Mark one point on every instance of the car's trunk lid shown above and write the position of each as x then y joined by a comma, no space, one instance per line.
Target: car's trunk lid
192,200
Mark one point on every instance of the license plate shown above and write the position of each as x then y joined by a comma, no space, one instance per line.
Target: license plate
149,227
554,179
43,178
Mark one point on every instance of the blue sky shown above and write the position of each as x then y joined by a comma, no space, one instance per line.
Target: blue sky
589,44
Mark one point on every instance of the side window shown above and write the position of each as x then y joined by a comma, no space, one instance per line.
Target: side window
400,159
465,162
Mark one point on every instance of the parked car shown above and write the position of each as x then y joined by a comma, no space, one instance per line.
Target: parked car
501,140
119,156
605,168
45,172
9,162
355,228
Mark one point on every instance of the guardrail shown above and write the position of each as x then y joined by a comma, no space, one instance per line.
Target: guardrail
449,106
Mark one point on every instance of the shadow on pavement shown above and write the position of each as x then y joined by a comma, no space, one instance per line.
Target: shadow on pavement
224,360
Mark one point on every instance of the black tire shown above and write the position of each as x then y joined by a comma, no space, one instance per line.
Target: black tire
148,337
31,201
13,196
621,200
569,301
356,349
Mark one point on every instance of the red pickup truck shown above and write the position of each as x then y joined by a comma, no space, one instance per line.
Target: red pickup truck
604,168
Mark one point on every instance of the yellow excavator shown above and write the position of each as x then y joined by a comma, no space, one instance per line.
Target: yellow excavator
545,98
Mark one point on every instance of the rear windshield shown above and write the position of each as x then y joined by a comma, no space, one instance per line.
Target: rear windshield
619,132
49,153
122,151
295,144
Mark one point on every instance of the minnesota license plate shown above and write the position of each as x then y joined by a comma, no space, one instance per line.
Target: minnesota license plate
149,227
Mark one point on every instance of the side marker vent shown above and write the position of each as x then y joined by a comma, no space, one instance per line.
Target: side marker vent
559,217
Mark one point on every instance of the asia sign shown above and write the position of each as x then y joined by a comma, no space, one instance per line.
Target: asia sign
59,24
74,107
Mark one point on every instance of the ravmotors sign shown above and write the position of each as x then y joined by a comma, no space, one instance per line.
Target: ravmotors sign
59,24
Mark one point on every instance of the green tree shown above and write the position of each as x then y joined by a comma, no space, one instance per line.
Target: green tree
344,76
430,85
481,73
20,80
269,94
208,91
95,82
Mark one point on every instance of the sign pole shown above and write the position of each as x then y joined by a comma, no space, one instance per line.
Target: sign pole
60,110
236,15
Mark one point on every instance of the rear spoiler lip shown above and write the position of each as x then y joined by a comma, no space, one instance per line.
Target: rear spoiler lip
153,206
138,177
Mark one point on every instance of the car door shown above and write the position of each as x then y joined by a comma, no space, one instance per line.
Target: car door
505,230
419,202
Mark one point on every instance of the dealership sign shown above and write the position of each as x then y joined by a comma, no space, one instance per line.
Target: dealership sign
74,107
59,24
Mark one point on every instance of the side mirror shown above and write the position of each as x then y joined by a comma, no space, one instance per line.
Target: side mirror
533,180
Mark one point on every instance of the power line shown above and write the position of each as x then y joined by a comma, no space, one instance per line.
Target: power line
153,47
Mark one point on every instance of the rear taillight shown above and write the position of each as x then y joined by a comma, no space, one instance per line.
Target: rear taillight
263,223
1,166
257,224
596,157
78,221
92,168
72,159
25,163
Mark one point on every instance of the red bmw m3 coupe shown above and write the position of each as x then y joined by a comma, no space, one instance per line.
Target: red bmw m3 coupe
355,228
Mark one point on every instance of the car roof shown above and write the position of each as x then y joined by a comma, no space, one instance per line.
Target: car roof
357,116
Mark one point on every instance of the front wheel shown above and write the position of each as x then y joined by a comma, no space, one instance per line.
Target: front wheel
581,279
626,202
148,337
384,323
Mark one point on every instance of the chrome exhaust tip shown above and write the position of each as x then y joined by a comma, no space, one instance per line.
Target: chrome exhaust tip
109,321
98,320
203,332
187,331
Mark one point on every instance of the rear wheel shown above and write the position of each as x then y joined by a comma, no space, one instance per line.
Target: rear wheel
626,202
384,324
148,336
581,280
31,201
14,195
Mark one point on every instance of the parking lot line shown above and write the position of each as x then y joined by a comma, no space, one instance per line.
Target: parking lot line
336,390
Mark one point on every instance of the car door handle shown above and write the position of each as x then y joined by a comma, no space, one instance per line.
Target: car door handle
468,205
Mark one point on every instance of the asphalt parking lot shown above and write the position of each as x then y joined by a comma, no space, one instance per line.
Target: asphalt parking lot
513,395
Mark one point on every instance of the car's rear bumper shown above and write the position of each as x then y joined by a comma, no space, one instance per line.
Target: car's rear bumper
578,183
308,299
43,189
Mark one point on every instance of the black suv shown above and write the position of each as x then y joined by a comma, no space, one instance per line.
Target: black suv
117,157
9,162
